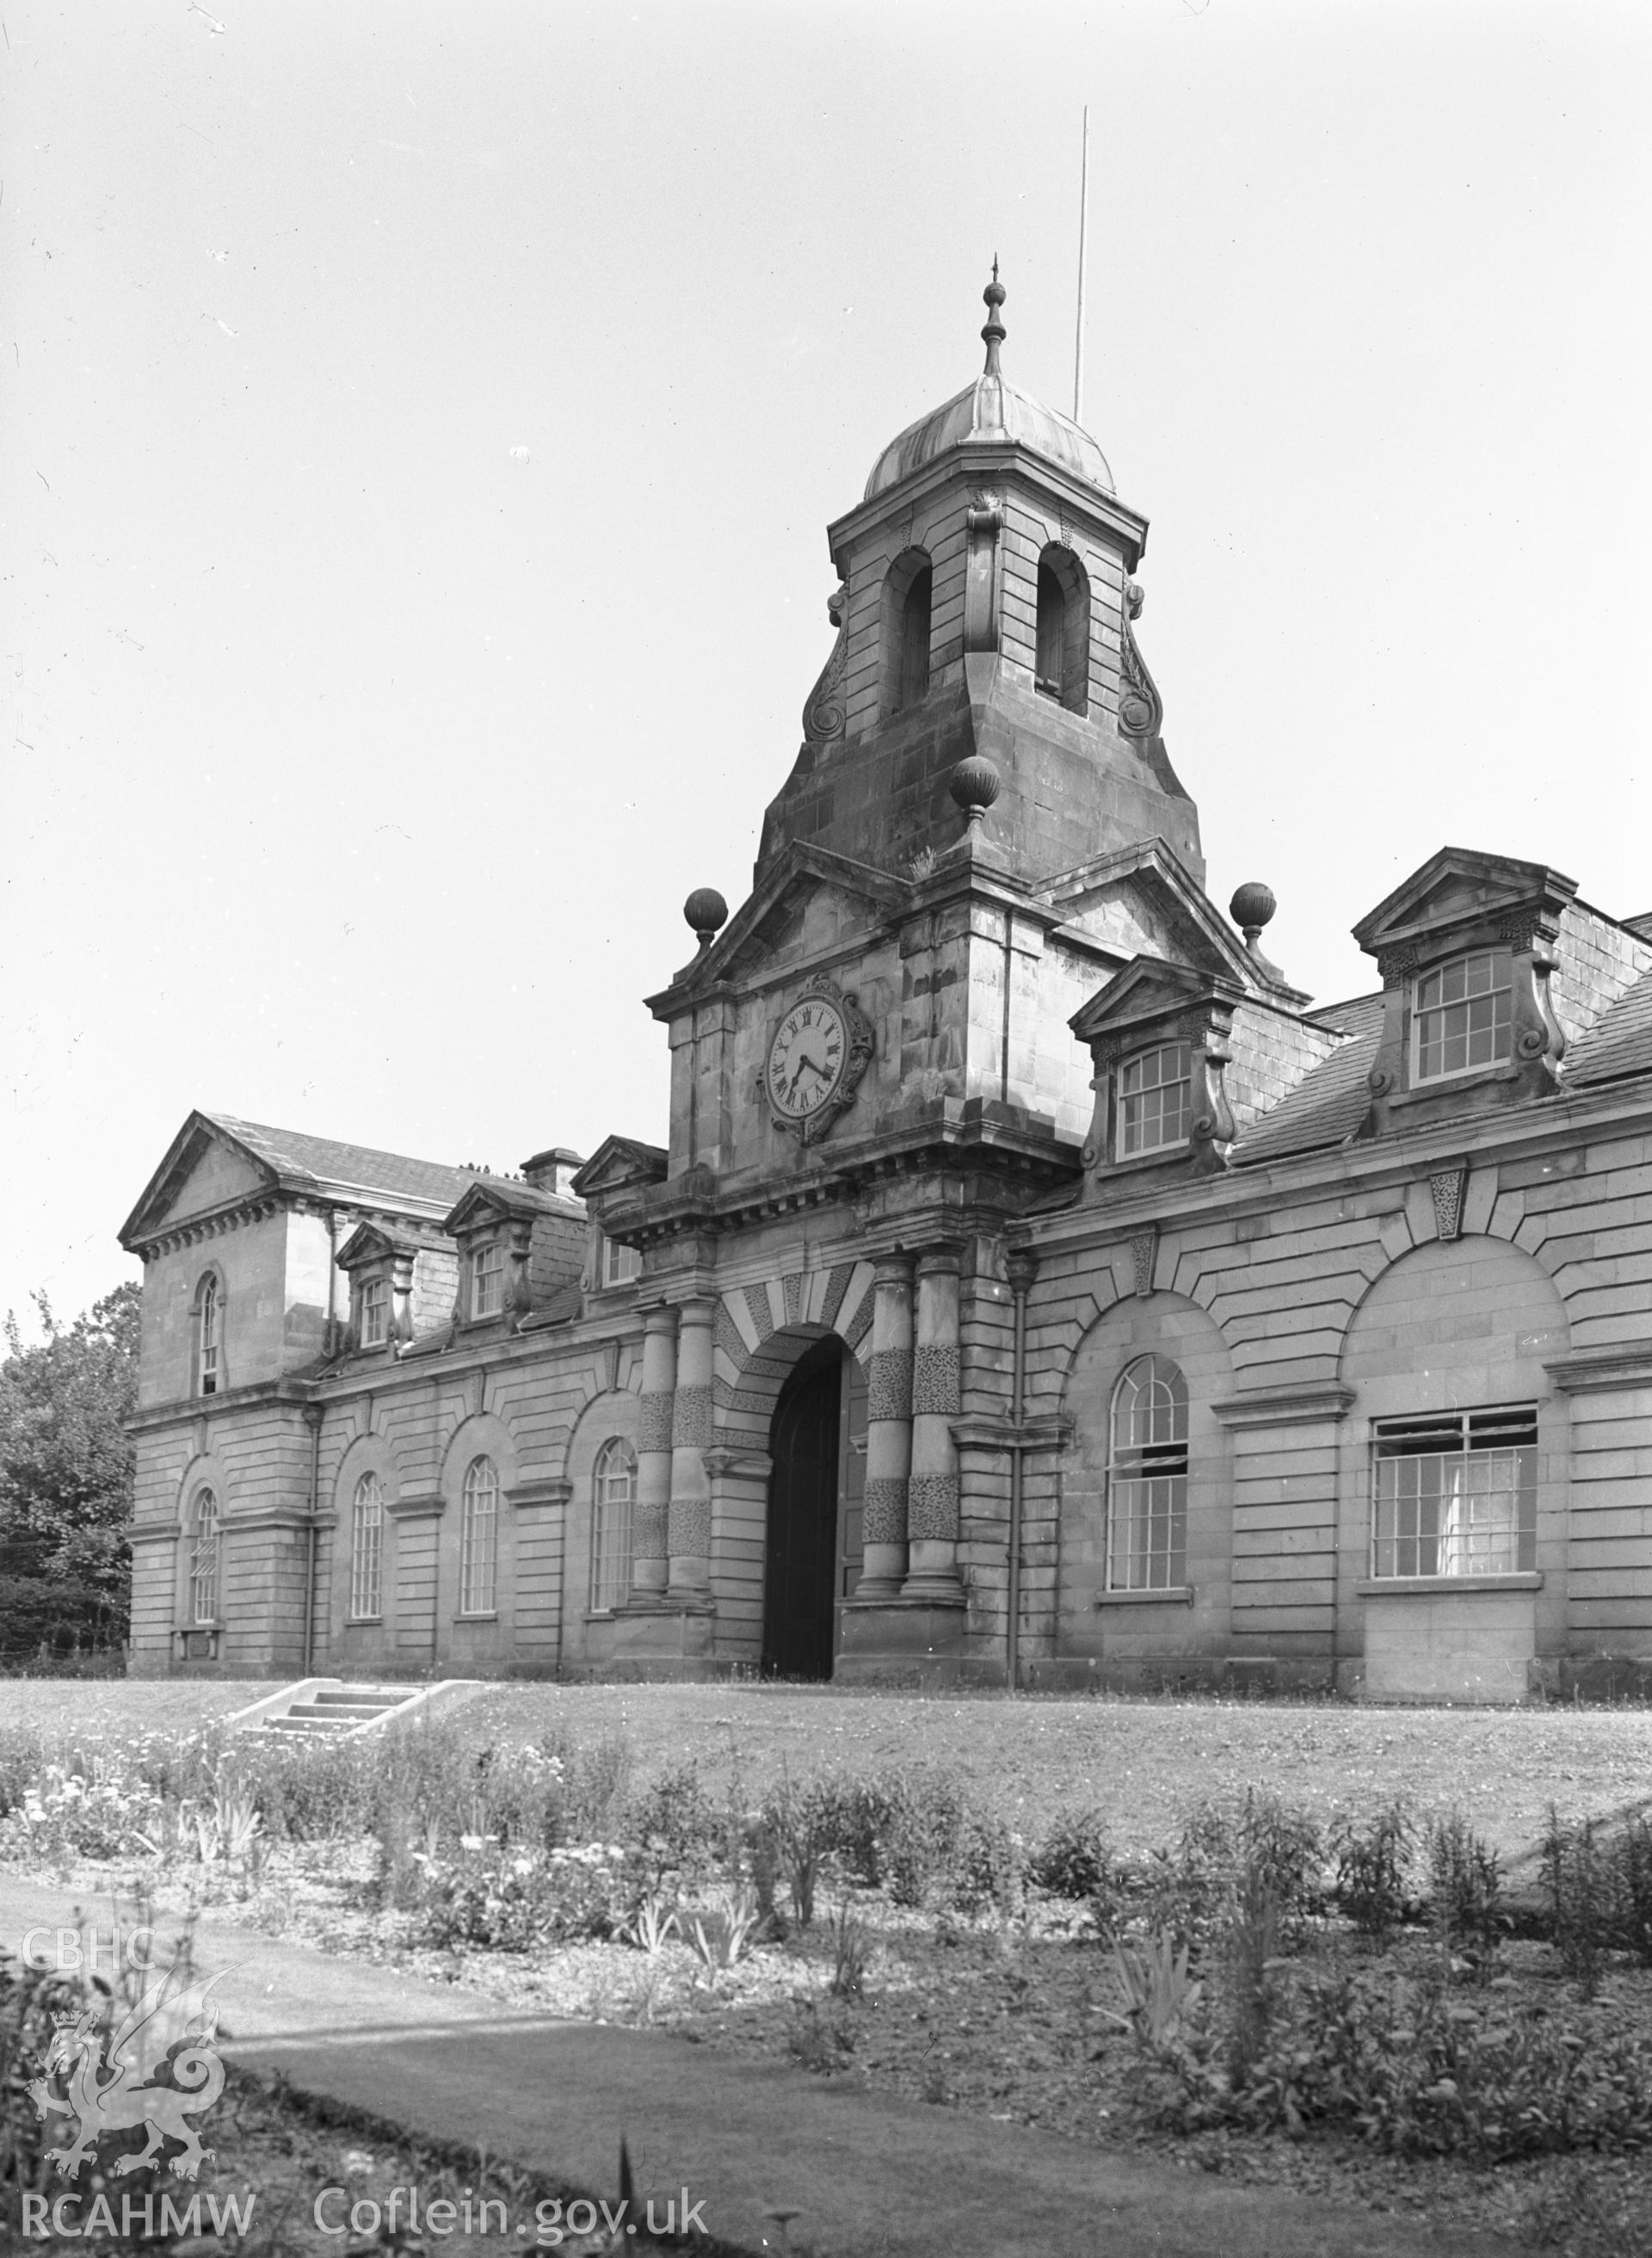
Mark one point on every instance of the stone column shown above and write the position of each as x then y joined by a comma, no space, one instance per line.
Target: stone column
889,1430
689,1530
932,1507
654,1453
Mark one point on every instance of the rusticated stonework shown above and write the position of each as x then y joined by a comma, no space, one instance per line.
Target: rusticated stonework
690,1526
935,1381
837,1286
691,1428
654,1423
762,1315
884,1520
647,1531
725,1335
889,1384
932,1505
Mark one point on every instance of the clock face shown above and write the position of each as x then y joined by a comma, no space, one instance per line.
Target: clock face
807,1058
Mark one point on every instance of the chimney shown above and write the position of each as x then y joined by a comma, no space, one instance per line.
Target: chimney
554,1171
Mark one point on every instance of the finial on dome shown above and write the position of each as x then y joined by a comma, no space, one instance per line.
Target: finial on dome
995,333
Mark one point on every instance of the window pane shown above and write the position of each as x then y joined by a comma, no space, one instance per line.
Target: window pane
1456,1495
1462,1015
1147,1479
366,1548
203,1561
478,1539
613,1489
488,1283
1155,1100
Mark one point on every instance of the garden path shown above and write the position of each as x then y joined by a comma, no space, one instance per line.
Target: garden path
867,2174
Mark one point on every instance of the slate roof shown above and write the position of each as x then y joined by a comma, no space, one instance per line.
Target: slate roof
1330,1102
357,1169
1619,1042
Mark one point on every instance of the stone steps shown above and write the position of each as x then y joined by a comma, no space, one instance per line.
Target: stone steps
329,1708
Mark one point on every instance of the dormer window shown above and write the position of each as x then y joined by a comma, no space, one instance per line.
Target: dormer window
620,1265
375,1313
487,1279
1155,1091
1461,1016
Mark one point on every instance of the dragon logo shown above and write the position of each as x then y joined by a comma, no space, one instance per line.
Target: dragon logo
171,2036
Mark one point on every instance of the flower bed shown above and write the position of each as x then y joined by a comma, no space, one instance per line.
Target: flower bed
1354,2000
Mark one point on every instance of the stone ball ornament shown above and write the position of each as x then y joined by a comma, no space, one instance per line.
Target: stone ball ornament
706,910
974,784
1253,904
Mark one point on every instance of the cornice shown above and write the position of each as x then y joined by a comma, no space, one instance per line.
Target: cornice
188,1409
1404,1156
973,463
214,1223
429,1508
1303,1403
1594,1371
990,1431
539,1489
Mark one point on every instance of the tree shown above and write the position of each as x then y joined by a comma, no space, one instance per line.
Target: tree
66,1477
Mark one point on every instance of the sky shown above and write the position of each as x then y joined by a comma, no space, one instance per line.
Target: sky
418,427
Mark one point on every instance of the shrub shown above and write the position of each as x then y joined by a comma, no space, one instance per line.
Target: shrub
919,1840
1600,1893
675,1827
1465,1884
1224,1848
988,1868
500,1900
1372,1864
1073,1860
1417,2072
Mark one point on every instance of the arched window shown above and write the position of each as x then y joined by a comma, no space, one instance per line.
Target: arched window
478,1539
209,1335
366,1549
614,1481
1061,660
1147,1479
203,1560
907,593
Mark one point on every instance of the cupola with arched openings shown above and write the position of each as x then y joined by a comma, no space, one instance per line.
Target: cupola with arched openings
986,608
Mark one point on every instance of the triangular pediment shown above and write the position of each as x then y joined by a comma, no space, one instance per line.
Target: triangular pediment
495,1199
1462,886
617,1164
372,1242
206,1170
810,901
1143,901
1149,990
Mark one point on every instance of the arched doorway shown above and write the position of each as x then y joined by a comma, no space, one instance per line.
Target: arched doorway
801,1556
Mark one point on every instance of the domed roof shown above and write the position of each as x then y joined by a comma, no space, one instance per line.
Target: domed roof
992,412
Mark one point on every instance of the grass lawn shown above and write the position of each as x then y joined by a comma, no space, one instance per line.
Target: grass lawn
1144,1762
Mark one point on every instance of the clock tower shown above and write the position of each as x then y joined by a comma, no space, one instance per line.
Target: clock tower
873,1076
